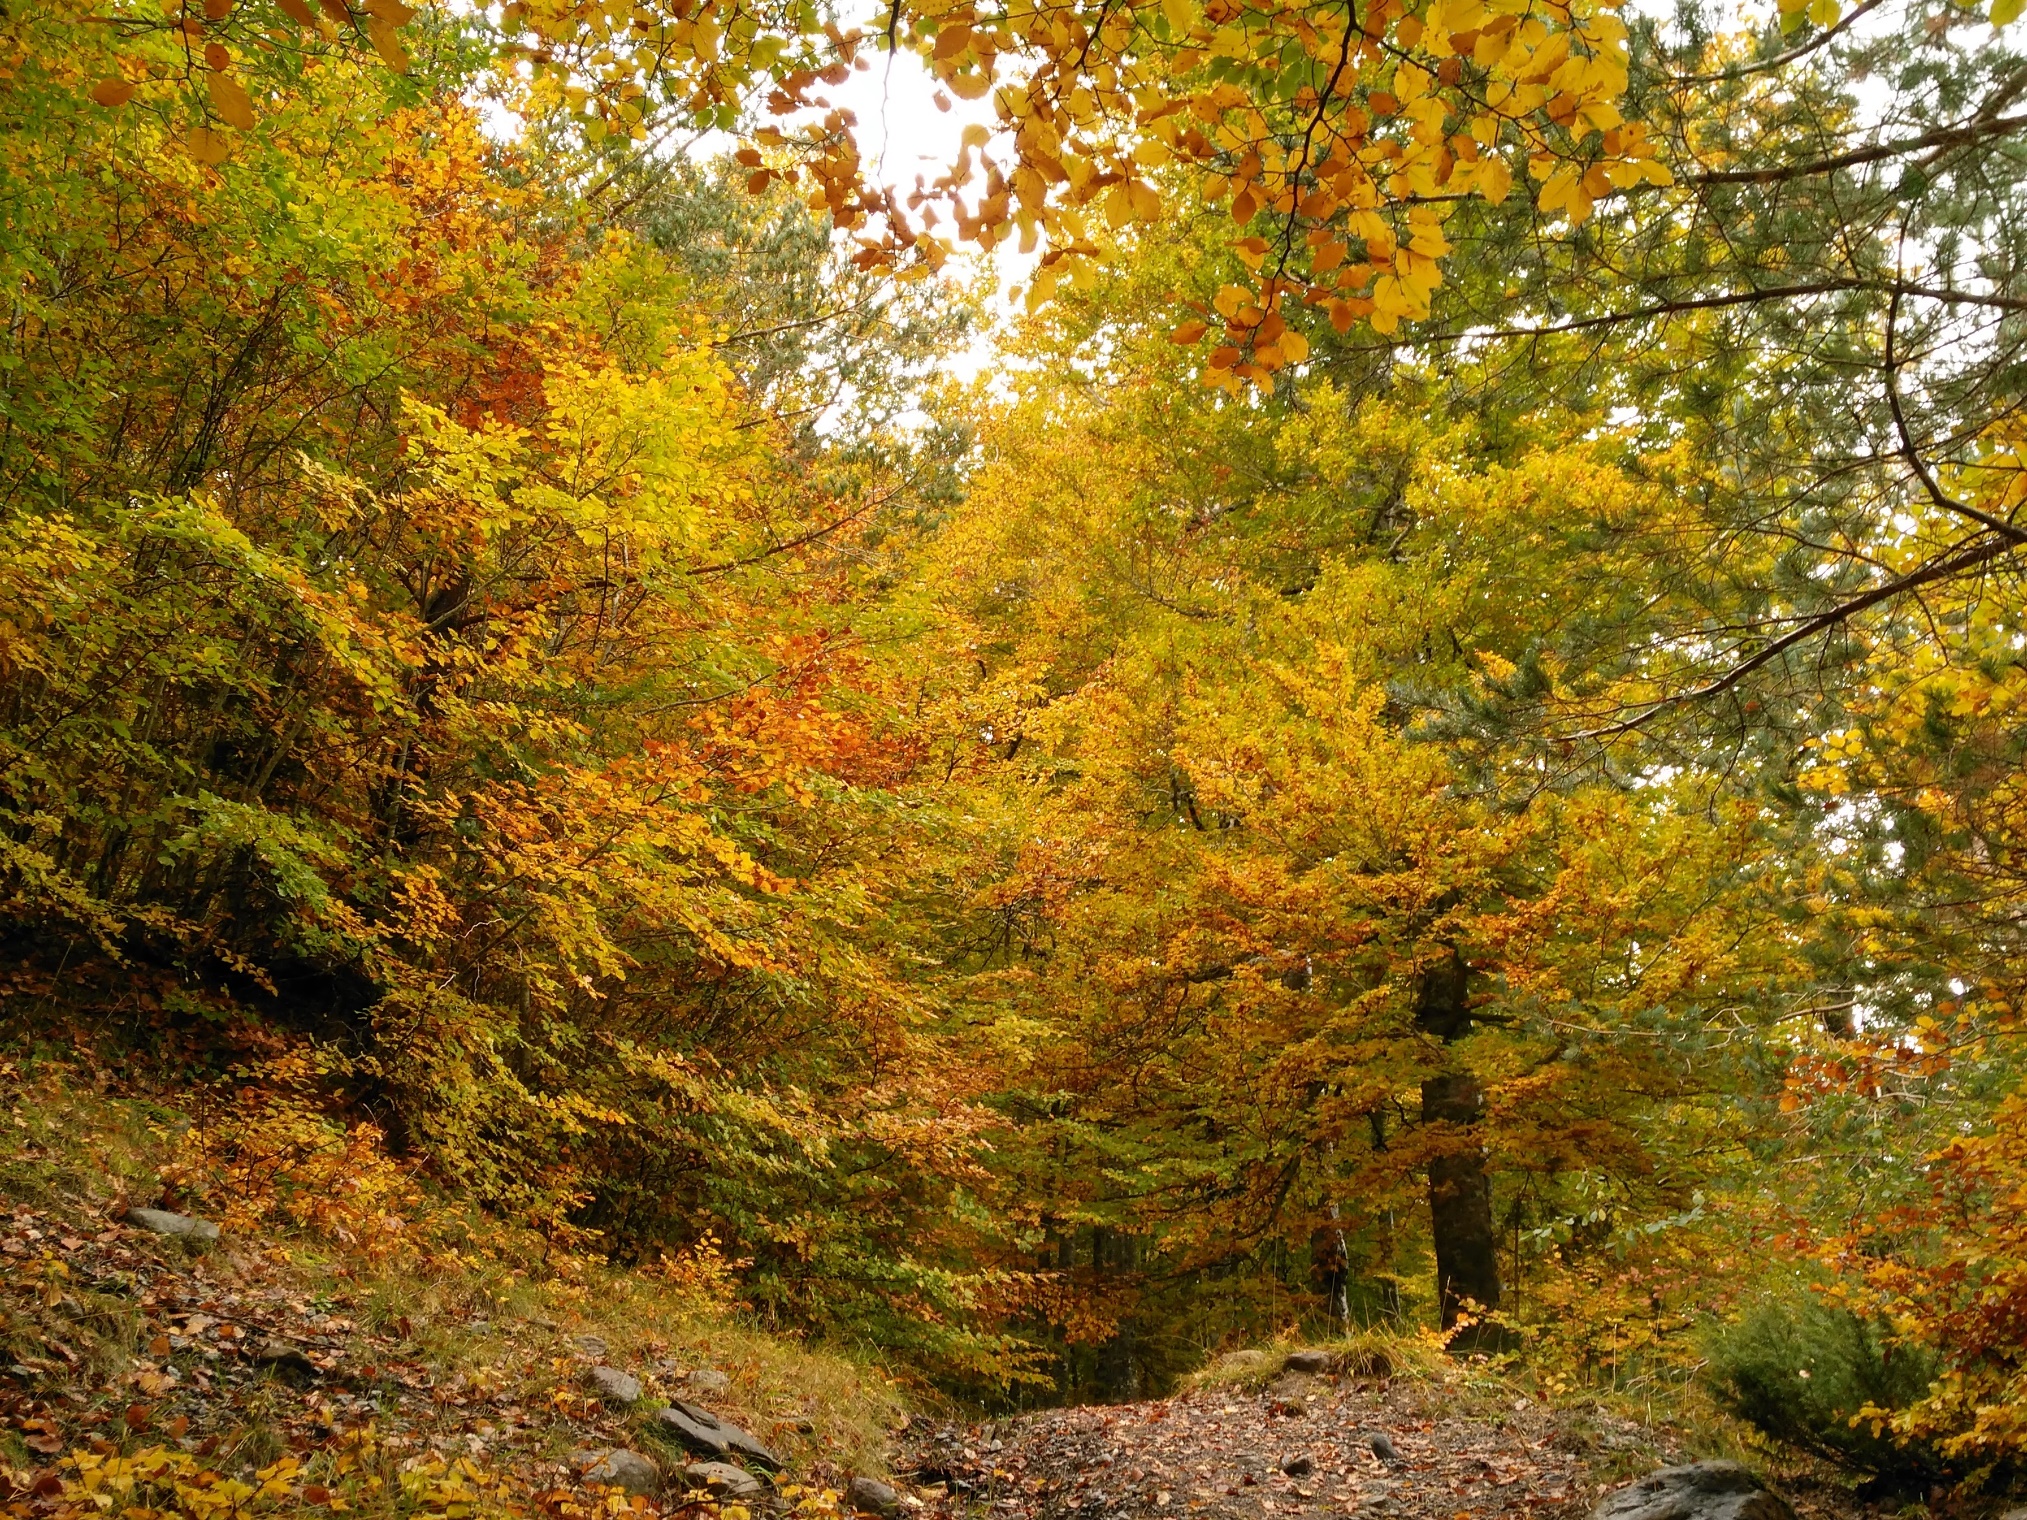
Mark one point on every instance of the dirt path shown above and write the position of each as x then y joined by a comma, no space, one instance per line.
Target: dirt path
1301,1447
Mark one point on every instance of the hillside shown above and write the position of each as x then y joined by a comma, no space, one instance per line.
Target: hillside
266,1371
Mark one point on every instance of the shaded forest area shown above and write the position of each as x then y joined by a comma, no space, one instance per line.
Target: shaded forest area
1433,748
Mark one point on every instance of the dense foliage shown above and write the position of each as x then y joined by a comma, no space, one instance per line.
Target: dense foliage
1488,797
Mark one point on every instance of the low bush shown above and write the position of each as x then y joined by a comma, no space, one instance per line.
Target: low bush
1805,1373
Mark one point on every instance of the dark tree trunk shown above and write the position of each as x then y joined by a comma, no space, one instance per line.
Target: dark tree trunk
1460,1194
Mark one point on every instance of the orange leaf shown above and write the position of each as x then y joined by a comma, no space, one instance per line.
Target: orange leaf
1189,332
388,45
113,93
298,12
230,102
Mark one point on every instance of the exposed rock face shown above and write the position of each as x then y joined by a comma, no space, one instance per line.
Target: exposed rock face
613,1386
724,1481
619,1468
869,1496
704,1434
162,1222
1307,1361
1696,1491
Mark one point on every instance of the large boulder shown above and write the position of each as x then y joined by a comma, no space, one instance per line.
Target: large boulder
1695,1491
704,1434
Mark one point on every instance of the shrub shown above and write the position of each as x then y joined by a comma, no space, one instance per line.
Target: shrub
1801,1371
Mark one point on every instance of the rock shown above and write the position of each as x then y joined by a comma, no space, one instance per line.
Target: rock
724,1480
1696,1491
1307,1361
869,1496
618,1468
162,1222
707,1381
1300,1465
1290,1393
280,1356
613,1386
1382,1447
593,1345
704,1434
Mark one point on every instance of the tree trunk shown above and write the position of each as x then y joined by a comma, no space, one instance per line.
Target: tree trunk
1460,1194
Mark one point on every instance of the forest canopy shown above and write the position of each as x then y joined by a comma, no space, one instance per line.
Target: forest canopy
1434,740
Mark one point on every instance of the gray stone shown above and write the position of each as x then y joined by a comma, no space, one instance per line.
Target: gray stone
593,1345
1307,1361
618,1468
1301,1465
1290,1393
724,1480
280,1356
162,1222
1696,1491
707,1381
613,1386
704,1434
869,1496
1382,1447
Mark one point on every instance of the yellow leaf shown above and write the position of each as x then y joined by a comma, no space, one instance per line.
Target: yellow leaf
1824,12
113,93
1294,347
207,146
1145,201
393,12
230,101
976,135
1181,14
2004,11
1494,179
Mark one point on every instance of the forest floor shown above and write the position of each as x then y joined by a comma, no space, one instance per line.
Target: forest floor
1463,1445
